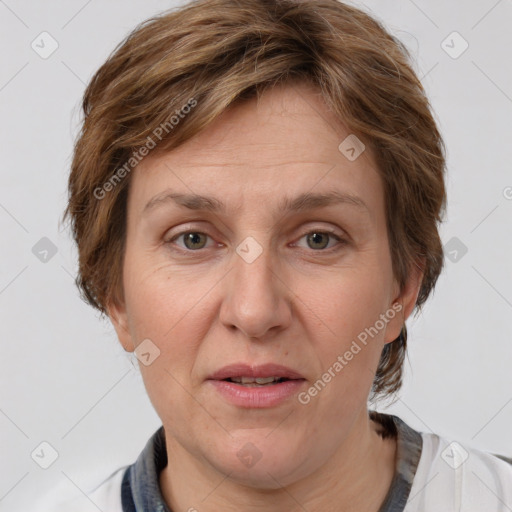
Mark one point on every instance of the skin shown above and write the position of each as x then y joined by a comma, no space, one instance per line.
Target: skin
301,303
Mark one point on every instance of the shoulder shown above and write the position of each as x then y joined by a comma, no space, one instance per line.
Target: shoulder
453,476
104,495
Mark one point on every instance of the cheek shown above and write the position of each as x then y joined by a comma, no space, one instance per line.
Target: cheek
160,298
172,320
166,315
346,330
348,302
170,313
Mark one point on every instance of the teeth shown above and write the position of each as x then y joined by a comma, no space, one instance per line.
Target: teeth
265,380
252,380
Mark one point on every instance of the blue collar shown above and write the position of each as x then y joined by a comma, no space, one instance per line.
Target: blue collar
140,490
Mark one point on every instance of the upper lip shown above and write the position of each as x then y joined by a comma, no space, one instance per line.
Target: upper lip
247,370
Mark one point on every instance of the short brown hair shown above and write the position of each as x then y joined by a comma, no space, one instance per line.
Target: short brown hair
221,52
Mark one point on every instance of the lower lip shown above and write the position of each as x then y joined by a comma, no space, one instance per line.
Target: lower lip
256,397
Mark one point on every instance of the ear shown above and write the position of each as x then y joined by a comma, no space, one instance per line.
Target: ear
119,318
404,300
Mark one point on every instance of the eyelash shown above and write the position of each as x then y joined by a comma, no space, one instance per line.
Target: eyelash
341,241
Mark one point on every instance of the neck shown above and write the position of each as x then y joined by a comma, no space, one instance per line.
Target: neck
357,477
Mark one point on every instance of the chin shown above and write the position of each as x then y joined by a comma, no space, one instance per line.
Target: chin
262,463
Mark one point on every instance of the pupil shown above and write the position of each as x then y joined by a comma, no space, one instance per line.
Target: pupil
193,239
314,235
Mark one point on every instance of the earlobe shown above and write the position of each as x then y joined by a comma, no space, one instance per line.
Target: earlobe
119,318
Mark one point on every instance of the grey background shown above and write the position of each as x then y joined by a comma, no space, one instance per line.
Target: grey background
64,377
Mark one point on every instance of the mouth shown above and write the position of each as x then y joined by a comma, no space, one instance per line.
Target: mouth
249,375
263,386
250,382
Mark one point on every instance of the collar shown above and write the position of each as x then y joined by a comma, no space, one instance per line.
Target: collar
140,490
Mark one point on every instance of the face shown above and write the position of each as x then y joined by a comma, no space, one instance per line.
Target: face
243,279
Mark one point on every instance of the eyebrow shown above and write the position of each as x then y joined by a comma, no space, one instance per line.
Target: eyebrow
303,202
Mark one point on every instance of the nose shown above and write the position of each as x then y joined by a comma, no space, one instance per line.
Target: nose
256,298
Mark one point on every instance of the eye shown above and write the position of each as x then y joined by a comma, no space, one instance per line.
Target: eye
193,240
319,239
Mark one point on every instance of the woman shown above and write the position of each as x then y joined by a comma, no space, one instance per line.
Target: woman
255,195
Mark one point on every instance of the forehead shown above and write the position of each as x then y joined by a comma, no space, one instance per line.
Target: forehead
285,141
286,120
